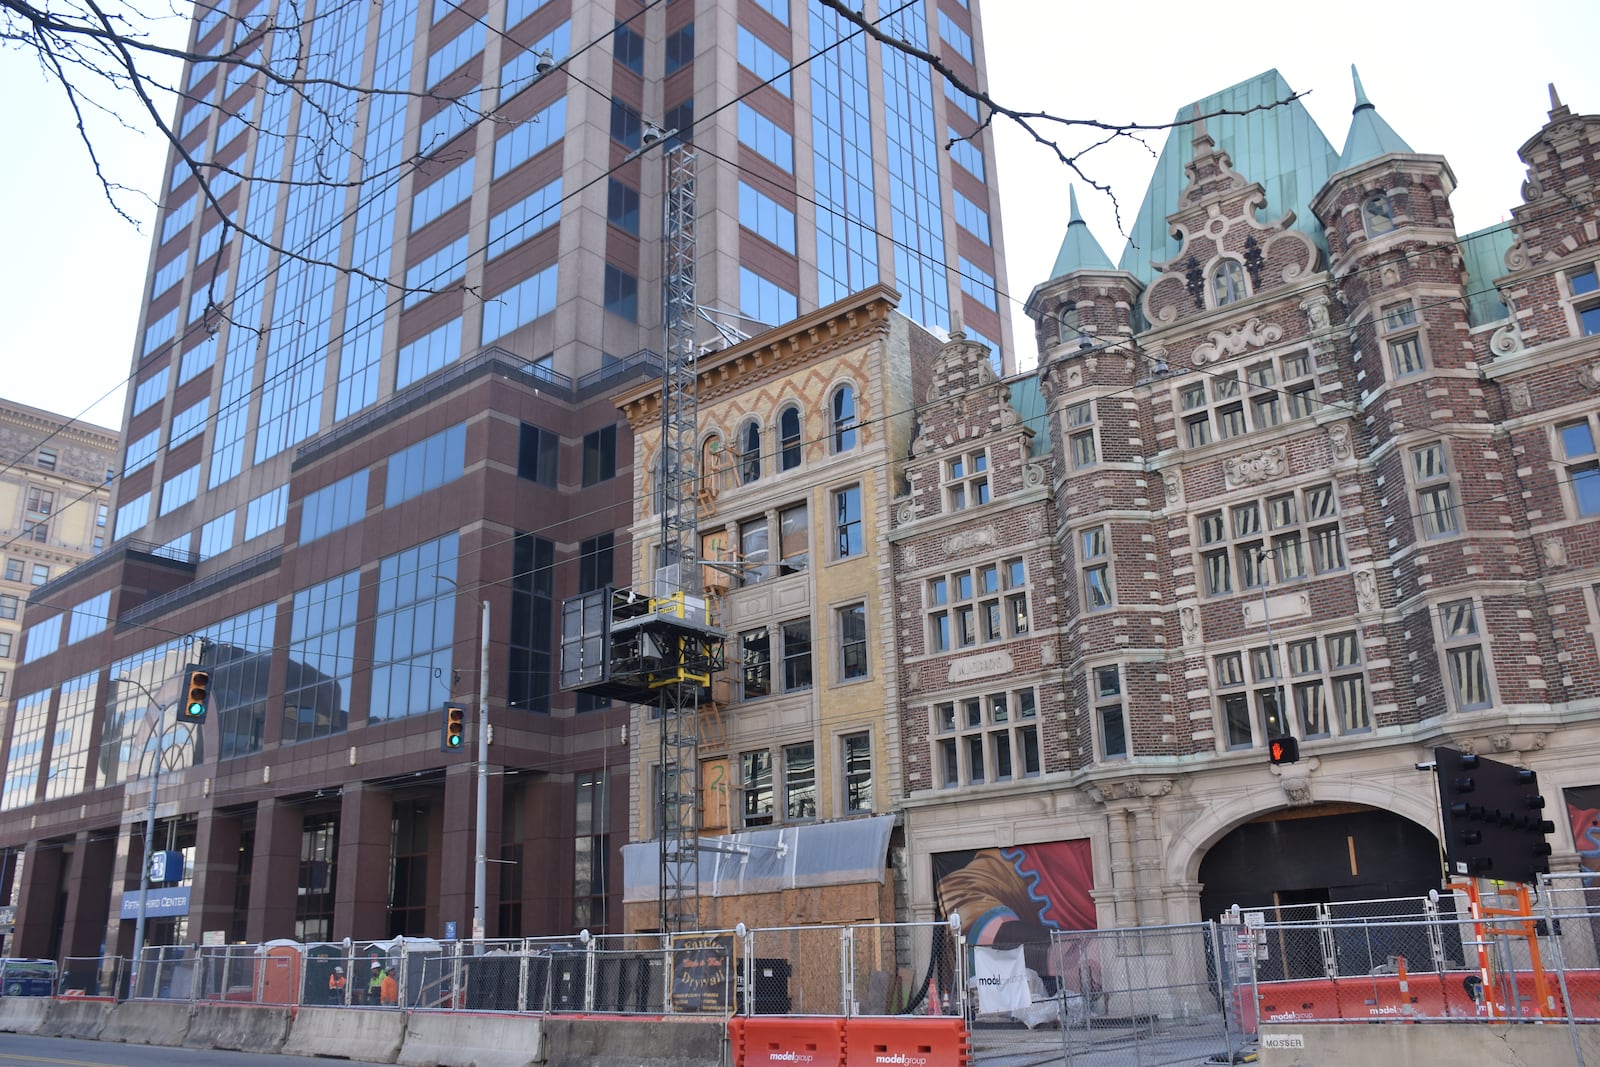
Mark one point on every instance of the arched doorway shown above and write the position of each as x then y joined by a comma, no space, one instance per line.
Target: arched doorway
1322,854
1285,863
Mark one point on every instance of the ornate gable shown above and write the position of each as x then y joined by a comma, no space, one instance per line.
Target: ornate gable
1227,254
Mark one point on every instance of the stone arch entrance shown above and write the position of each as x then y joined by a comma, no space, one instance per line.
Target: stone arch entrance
1324,853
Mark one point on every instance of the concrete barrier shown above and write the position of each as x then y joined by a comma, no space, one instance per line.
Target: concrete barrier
464,1039
372,1034
22,1015
635,1042
238,1027
148,1022
75,1017
1422,1044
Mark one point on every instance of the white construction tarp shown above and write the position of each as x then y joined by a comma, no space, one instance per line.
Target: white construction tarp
1002,977
765,861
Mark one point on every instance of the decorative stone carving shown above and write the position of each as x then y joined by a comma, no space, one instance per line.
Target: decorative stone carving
1500,742
1507,340
914,680
908,555
1555,552
970,540
905,513
1220,343
1589,377
1047,655
1174,488
1032,474
1253,468
1297,790
984,665
1035,524
1316,309
1130,789
1189,620
1339,441
1366,591
1517,257
1074,378
1531,191
1521,396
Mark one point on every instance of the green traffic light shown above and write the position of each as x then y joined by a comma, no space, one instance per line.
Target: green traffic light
455,740
196,710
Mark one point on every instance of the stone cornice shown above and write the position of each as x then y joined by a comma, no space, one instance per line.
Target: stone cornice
854,321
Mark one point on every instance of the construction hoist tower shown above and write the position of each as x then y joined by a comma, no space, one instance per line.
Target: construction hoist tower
658,646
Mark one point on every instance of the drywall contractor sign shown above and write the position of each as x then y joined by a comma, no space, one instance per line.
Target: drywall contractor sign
1283,1040
700,972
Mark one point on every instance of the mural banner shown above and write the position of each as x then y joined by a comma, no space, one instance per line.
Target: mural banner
1583,810
1008,896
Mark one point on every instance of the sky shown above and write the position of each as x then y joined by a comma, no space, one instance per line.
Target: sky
72,273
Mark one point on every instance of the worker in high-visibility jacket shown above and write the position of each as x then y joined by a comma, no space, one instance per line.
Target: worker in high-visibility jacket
336,986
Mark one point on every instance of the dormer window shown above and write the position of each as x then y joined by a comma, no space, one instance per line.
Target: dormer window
1227,283
1069,324
1377,214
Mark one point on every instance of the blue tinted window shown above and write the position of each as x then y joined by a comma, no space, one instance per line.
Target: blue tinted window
530,138
621,293
778,9
622,206
161,331
414,632
426,465
971,217
141,451
133,516
765,216
842,137
765,62
519,305
628,48
534,213
333,507
88,618
322,647
434,200
201,357
765,301
959,38
180,489
967,154
680,48
216,536
456,51
766,137
266,512
976,282
915,199
241,659
436,272
519,73
626,125
428,353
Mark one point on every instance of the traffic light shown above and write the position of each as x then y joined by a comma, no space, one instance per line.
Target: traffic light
454,737
1491,815
1285,749
196,696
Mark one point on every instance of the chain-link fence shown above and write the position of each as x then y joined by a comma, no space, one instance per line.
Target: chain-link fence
1147,995
1570,921
92,976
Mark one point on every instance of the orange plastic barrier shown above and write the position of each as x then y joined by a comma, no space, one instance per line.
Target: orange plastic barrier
1390,997
782,1040
907,1041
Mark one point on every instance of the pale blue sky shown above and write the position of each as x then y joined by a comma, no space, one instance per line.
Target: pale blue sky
72,276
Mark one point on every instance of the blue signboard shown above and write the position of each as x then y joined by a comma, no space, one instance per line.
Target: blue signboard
163,902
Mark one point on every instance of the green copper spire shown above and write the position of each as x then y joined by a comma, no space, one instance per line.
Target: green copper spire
1079,249
1369,136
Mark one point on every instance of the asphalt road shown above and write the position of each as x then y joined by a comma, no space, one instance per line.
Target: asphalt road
22,1050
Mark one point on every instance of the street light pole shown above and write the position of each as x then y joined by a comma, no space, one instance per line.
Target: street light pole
1262,555
149,834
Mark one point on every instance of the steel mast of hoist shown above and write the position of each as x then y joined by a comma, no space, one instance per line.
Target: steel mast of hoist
677,822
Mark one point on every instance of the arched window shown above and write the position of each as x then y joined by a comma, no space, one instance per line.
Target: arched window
1227,283
749,453
789,438
1377,214
844,419
1070,324
711,460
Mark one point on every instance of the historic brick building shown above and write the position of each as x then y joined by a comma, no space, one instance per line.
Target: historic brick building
1318,465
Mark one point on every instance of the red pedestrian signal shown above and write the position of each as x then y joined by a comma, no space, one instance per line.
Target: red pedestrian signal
1285,749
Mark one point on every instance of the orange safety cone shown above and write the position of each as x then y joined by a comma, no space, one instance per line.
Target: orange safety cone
933,995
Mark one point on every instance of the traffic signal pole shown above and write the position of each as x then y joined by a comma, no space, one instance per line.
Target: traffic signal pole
149,834
480,888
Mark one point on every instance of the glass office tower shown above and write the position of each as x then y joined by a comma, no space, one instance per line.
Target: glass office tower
377,398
